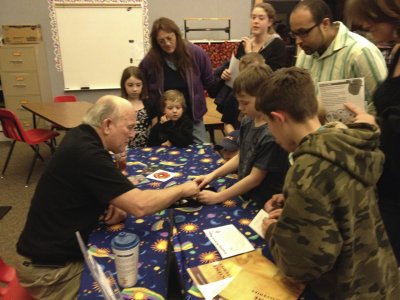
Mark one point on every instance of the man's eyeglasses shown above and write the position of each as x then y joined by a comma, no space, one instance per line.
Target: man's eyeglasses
302,33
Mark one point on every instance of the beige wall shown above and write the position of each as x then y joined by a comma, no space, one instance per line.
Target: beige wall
21,12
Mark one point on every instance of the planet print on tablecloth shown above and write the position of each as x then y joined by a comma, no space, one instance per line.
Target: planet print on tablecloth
179,219
174,152
140,293
157,225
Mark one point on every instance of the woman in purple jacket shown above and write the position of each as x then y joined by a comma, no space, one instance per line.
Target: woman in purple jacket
175,64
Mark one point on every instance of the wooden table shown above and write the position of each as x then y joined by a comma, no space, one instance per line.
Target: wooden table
66,115
70,114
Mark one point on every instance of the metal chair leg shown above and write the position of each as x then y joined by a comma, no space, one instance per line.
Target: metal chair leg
52,145
38,154
33,163
8,158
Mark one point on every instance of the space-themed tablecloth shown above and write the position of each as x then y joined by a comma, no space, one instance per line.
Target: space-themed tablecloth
190,244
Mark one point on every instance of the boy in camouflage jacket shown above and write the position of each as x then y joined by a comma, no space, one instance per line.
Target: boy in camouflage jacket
329,233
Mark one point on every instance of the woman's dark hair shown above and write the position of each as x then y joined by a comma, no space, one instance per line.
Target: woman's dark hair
182,55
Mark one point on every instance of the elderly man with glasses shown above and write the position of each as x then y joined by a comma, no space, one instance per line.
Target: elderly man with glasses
330,51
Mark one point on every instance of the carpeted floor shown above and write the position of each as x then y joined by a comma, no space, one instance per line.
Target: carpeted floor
4,210
14,193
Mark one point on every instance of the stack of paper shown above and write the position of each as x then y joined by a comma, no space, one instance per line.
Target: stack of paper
246,276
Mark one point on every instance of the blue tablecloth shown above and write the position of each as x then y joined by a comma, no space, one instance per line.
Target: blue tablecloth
190,245
153,232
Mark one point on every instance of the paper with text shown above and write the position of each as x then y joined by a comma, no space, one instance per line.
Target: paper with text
336,92
246,276
228,240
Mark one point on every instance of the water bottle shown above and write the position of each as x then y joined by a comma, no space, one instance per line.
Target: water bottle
125,246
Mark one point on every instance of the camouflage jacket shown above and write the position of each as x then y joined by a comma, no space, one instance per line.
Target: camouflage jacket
330,234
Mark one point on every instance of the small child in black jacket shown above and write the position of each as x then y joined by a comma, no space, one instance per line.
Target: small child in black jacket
174,128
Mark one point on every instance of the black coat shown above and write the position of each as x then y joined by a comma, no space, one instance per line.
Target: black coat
179,133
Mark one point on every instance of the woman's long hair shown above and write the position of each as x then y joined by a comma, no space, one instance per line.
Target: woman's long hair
182,56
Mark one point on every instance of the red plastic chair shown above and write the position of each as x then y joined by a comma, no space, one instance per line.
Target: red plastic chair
10,289
13,129
62,98
65,98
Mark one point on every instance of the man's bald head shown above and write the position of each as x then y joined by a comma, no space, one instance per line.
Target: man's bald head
108,106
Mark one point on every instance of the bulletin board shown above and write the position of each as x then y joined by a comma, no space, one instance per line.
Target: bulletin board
96,40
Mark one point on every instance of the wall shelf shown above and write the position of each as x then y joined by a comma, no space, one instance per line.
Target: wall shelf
226,29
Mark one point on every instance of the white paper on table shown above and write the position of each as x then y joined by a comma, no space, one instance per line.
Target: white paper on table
161,175
228,240
256,223
210,290
336,92
234,69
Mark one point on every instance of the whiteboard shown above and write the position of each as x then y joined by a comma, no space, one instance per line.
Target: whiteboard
97,43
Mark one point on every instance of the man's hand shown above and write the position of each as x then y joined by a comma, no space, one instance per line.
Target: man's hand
274,203
361,115
190,188
114,215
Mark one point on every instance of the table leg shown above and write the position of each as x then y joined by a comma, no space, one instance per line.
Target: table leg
34,120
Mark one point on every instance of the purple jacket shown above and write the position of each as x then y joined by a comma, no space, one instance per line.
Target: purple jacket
198,78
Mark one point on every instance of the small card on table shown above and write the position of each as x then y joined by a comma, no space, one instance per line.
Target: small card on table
161,175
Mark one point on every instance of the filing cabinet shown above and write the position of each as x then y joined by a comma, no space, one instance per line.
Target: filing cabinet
25,79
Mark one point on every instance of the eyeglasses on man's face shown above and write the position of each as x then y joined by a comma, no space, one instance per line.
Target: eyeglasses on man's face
302,33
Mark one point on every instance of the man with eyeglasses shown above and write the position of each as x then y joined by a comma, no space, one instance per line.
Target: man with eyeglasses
330,51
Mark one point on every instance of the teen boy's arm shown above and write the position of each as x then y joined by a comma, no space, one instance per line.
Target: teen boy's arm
305,241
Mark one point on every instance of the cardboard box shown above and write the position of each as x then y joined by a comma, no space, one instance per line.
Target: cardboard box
22,34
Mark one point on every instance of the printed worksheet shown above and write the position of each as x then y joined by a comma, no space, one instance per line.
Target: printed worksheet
336,92
228,240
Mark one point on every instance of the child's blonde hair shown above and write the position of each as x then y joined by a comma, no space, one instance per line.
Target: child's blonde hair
173,96
251,58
